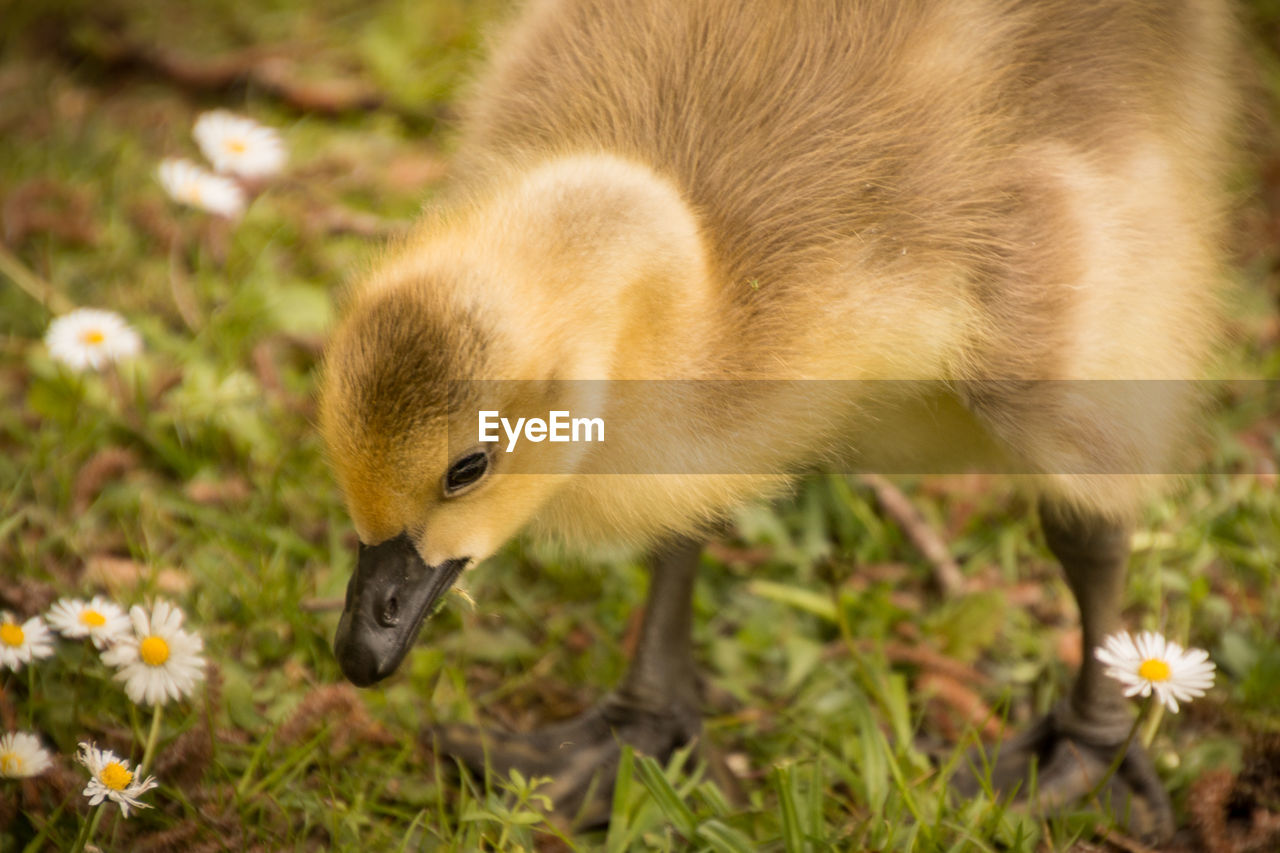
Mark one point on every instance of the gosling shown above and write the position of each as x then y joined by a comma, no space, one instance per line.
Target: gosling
761,209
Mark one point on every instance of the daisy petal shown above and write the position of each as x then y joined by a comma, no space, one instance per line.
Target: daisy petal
239,145
190,184
21,756
160,661
1150,663
90,338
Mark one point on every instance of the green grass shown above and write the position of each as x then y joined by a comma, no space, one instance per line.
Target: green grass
196,473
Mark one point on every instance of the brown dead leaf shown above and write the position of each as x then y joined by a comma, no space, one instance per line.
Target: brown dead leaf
964,707
579,639
1024,595
1031,592
121,574
413,172
265,68
154,218
340,219
732,555
264,358
71,103
108,464
224,492
335,95
896,574
914,652
164,381
45,206
930,660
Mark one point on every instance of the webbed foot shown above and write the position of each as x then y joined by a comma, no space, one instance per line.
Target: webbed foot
1059,762
579,755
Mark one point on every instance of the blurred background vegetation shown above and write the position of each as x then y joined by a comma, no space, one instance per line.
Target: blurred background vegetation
835,668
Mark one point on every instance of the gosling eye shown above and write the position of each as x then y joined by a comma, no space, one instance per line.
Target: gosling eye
465,473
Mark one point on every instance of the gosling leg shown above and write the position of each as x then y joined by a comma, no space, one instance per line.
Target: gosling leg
655,709
1069,751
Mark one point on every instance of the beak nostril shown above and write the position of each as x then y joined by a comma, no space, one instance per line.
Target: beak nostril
390,614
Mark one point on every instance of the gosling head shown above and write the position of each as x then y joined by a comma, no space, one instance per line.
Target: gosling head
398,414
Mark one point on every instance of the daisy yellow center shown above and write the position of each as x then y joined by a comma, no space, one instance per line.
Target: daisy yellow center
92,618
115,777
92,337
153,650
10,764
11,635
236,146
191,190
1154,670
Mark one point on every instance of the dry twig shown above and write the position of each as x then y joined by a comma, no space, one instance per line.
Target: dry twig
946,572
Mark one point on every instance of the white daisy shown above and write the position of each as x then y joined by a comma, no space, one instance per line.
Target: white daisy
111,779
101,620
22,755
21,644
239,145
1149,664
90,338
159,661
188,183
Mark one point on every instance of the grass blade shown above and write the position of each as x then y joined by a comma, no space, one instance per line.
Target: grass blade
665,795
792,837
724,838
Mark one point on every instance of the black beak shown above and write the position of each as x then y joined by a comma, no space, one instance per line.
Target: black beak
389,595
